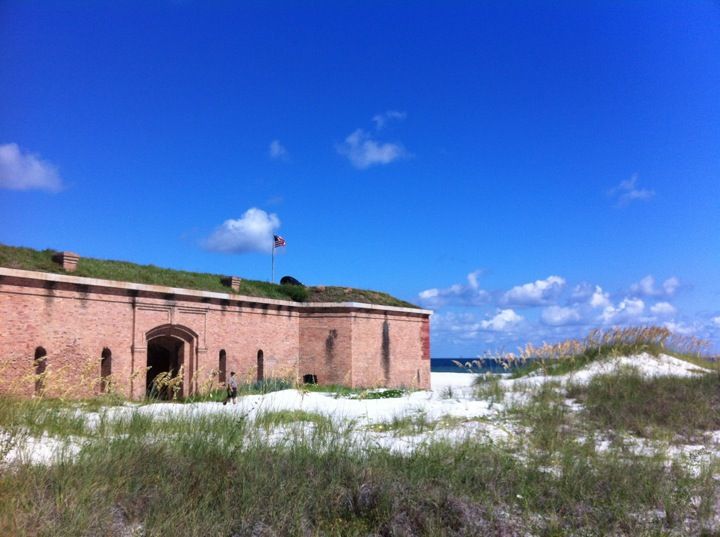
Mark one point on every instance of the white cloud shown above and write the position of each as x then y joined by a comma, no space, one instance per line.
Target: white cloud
466,326
560,316
25,171
502,321
593,295
363,151
629,310
253,232
536,293
459,325
470,313
599,299
671,285
391,115
582,292
646,287
627,192
680,328
663,309
277,150
470,294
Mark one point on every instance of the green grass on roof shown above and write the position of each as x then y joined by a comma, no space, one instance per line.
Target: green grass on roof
41,260
346,294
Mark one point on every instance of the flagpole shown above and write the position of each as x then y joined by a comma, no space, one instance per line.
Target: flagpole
273,262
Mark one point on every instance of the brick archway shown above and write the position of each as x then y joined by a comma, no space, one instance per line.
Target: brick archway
169,348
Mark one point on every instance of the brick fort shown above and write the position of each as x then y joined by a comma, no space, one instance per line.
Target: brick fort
65,335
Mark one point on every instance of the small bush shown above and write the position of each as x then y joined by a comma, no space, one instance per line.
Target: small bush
404,425
298,293
547,417
282,417
391,393
488,387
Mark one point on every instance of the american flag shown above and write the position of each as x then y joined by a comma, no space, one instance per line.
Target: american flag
279,241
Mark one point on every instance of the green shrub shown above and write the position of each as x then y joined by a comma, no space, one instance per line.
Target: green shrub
390,393
298,293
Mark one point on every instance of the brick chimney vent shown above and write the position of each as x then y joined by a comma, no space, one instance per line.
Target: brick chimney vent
68,260
233,282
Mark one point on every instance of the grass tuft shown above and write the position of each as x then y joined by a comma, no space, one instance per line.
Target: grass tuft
627,401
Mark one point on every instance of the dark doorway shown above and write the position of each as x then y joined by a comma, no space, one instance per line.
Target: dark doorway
105,369
260,366
163,356
222,366
40,363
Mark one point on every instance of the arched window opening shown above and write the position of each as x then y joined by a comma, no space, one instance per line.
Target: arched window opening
222,366
105,369
40,363
260,366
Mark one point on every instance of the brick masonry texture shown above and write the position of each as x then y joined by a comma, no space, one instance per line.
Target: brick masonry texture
75,319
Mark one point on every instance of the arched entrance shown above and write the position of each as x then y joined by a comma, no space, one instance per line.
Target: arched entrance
171,351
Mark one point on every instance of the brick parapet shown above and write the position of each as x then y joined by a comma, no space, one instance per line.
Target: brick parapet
34,278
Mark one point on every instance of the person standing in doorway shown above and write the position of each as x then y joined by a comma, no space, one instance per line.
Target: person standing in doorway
232,387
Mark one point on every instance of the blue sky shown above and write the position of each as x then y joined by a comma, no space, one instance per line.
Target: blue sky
528,170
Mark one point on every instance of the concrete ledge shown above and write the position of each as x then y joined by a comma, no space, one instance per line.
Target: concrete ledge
195,294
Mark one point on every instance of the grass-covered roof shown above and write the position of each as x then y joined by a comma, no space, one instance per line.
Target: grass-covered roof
41,260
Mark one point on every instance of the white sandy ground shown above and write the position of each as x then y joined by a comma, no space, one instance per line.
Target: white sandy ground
451,400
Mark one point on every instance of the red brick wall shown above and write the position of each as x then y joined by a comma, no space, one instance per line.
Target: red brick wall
388,351
425,338
326,347
74,319
73,328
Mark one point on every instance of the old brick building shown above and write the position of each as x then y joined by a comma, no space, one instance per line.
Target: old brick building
70,336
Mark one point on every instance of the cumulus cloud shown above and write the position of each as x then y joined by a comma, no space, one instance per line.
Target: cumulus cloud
21,170
646,287
469,294
560,316
663,309
627,192
364,151
627,311
716,320
381,120
557,309
253,232
599,299
537,293
593,295
583,300
680,328
467,326
582,292
460,326
502,321
277,150
670,286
